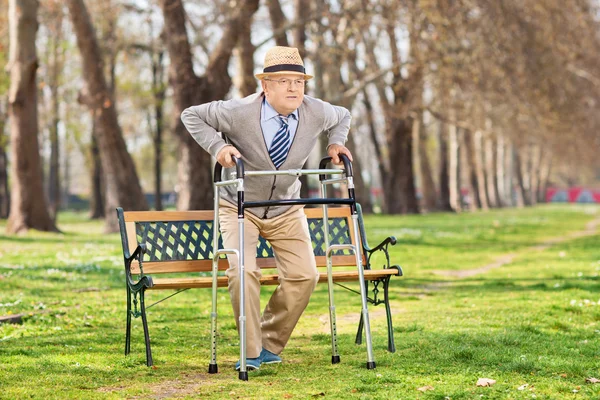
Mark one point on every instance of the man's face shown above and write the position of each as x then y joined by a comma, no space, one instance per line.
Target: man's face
284,92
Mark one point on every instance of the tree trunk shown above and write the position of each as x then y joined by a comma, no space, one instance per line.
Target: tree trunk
320,63
522,199
278,22
194,167
122,184
401,196
97,208
400,190
444,174
427,184
546,164
302,11
54,173
467,174
28,205
302,15
454,168
490,169
479,170
245,55
382,169
158,88
469,163
510,180
501,171
534,173
55,73
4,192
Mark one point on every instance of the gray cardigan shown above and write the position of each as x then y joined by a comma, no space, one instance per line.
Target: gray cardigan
239,122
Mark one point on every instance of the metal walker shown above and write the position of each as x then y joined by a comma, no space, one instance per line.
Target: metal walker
346,177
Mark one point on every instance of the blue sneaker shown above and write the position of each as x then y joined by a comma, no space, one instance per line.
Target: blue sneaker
251,364
266,357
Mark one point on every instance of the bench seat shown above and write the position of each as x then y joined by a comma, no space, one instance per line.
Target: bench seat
271,279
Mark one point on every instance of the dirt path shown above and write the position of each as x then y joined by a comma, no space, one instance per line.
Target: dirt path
590,229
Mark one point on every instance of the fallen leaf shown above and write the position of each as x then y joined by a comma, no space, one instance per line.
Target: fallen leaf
287,396
592,380
563,375
485,382
522,387
425,388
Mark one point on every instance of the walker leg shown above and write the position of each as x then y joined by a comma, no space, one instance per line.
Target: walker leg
363,296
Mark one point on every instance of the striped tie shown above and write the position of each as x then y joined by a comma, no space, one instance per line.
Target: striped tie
281,144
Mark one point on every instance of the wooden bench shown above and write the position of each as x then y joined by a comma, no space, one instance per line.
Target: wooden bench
180,242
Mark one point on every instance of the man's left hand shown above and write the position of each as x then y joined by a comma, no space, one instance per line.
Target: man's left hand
335,150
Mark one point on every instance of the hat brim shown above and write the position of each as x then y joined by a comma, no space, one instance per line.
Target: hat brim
261,76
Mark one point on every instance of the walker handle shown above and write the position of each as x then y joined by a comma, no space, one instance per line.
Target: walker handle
345,160
239,168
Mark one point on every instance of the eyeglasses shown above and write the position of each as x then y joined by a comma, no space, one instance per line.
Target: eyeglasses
284,82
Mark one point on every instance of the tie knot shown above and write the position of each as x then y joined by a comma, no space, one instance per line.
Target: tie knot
284,120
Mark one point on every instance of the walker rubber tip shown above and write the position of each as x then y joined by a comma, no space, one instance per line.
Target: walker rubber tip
335,359
212,368
243,376
370,364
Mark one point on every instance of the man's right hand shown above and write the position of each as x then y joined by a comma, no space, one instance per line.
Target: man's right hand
225,154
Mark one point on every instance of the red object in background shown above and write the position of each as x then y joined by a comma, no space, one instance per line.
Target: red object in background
572,195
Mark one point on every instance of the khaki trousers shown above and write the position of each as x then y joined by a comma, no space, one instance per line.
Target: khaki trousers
298,275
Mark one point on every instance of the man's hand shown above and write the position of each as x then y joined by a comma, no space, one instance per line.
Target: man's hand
334,152
225,154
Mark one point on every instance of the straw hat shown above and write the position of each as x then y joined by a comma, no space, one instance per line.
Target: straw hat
281,60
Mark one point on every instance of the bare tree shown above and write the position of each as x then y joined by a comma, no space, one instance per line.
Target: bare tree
278,22
122,184
54,63
195,181
28,206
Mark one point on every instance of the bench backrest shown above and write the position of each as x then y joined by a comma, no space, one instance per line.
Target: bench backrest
181,241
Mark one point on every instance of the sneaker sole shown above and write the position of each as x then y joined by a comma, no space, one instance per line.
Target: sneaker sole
272,362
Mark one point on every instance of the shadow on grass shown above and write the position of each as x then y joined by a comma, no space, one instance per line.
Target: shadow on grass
58,238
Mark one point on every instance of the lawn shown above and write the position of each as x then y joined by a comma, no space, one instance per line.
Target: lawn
511,295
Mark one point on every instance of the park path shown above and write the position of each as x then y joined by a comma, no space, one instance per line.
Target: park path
590,229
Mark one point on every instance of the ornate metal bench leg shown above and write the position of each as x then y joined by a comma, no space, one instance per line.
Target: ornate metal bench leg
388,311
149,361
128,329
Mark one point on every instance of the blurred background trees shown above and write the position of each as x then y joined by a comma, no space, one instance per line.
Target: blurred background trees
457,104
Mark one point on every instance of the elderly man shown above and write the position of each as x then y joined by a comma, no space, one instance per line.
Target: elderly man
274,129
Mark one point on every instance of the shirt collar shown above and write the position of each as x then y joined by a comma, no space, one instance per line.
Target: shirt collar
269,111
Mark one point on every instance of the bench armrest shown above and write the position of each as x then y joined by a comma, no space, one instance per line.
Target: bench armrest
383,246
144,281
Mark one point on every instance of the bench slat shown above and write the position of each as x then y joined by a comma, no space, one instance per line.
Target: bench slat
206,282
207,215
165,267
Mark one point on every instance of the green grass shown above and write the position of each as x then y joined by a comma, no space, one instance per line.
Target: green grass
534,321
